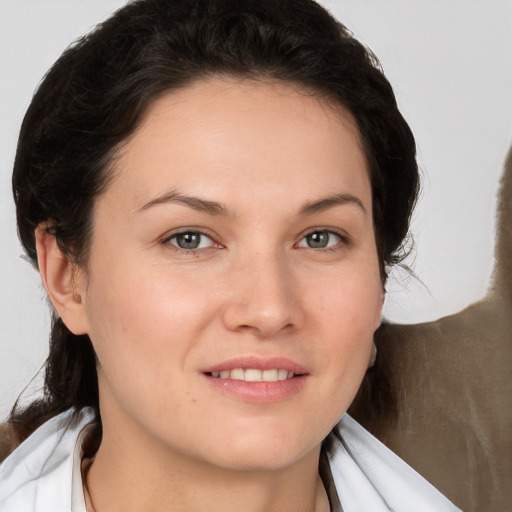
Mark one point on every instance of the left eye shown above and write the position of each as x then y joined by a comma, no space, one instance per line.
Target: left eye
191,240
320,240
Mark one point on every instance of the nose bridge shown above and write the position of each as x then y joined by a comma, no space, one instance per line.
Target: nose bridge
265,294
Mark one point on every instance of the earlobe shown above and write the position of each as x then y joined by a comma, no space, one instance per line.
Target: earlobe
64,286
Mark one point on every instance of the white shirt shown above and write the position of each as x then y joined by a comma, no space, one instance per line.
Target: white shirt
43,474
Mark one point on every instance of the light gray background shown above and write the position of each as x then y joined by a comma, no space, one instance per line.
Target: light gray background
450,62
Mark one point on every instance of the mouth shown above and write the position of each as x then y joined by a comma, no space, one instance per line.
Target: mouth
255,379
254,374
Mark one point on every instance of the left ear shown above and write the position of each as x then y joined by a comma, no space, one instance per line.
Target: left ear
64,282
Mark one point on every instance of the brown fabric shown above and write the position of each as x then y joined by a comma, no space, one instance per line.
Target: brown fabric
440,394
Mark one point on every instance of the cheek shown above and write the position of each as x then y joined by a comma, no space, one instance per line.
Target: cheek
347,317
351,303
144,330
140,320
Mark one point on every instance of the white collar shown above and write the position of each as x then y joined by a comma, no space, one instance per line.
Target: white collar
370,477
44,473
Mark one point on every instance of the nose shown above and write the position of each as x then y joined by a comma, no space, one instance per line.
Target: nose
264,298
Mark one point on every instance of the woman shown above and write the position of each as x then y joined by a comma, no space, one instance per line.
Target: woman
212,192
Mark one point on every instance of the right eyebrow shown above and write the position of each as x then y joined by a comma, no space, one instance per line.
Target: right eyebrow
197,203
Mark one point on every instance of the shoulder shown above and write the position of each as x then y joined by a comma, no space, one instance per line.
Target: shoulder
369,476
40,469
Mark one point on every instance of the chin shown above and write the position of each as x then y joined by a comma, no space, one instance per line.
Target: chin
263,450
259,460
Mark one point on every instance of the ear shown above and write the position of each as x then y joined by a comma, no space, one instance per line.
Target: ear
64,282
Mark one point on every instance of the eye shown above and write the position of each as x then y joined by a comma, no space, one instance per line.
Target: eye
321,239
191,240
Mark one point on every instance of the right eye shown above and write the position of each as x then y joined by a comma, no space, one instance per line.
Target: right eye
190,240
321,239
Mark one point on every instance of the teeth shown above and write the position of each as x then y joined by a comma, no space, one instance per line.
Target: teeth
282,374
252,375
269,375
255,375
237,374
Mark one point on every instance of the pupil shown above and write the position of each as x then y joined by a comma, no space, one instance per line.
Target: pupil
318,240
188,240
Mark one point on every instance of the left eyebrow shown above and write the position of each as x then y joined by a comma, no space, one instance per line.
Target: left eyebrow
328,202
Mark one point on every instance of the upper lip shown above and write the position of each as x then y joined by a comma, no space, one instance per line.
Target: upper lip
258,363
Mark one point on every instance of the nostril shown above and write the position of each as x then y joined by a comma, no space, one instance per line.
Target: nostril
264,317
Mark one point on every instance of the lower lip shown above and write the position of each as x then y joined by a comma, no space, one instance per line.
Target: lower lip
258,392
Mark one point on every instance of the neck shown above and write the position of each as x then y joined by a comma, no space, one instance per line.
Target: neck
142,476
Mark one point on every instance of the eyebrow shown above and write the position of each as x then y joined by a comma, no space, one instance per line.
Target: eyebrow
217,209
202,205
328,202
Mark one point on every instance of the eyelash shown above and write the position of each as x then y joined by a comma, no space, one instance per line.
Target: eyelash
344,240
189,231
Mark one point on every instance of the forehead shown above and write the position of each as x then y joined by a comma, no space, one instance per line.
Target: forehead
223,134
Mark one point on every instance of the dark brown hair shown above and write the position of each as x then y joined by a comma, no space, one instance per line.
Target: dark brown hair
93,98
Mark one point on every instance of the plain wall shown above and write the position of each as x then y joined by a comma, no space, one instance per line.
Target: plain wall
451,67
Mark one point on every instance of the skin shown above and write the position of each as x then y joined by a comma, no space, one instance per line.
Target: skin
159,315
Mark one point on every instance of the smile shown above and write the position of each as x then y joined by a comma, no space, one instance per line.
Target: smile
257,379
254,374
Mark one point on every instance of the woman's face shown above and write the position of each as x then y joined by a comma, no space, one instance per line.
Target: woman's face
233,285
